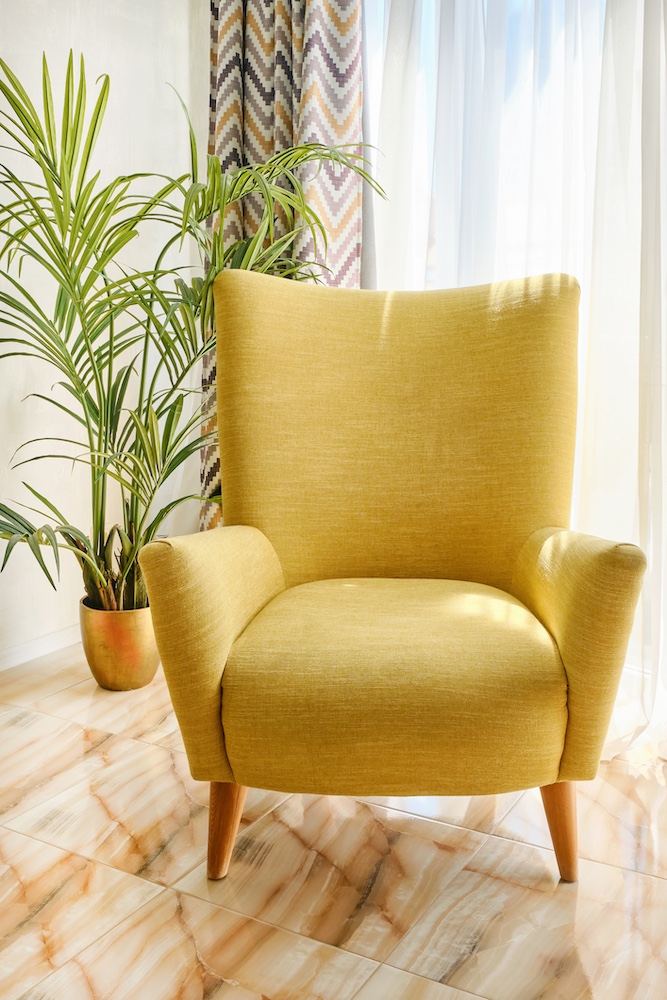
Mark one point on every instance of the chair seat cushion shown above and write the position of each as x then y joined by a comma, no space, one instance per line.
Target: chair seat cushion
394,686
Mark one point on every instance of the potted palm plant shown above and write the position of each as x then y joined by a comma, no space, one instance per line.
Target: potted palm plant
124,343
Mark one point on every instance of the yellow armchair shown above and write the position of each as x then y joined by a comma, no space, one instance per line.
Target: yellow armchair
395,605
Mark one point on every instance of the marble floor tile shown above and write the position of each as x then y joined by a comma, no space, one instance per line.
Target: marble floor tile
95,790
392,984
180,948
30,682
622,817
172,741
475,812
506,929
145,714
144,815
53,904
135,807
340,871
259,803
37,755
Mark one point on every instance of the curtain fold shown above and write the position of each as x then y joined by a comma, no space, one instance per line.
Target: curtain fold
531,136
285,72
623,475
485,116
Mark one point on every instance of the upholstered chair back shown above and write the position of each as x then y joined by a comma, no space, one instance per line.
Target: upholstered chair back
396,434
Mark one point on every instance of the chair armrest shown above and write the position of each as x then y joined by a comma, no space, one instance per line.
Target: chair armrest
584,590
203,590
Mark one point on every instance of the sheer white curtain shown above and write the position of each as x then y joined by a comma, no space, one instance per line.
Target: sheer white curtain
516,137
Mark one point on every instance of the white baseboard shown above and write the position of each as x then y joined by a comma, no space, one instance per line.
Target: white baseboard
26,651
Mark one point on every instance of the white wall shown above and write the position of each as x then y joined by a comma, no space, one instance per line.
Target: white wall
143,45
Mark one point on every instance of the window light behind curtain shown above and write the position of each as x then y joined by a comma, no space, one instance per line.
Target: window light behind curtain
517,137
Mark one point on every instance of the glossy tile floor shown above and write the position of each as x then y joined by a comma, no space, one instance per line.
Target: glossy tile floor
103,892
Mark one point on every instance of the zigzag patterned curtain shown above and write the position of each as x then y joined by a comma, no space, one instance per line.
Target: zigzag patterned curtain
285,72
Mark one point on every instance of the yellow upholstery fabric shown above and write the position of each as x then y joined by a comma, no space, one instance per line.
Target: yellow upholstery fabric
394,687
387,610
584,590
203,591
411,434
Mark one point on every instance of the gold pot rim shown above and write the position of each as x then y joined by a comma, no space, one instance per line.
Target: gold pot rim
105,611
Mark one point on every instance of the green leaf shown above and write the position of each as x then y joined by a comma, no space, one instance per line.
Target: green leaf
68,101
23,107
71,530
194,171
184,453
159,518
83,198
170,424
47,503
50,535
49,114
108,547
143,442
15,521
18,529
59,405
93,132
125,543
77,119
83,396
35,549
117,397
12,542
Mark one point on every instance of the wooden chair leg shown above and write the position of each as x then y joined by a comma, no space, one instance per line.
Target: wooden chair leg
227,801
560,805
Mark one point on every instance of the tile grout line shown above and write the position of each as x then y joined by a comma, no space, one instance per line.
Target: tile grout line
50,695
465,994
94,752
4,825
109,930
506,814
241,833
160,890
592,861
277,927
433,819
428,909
229,906
78,854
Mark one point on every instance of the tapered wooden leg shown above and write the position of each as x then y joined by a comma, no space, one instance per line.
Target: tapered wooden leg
560,805
227,801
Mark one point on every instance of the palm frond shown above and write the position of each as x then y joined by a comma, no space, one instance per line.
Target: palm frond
124,342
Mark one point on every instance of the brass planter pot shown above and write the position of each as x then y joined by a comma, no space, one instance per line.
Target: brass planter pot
119,646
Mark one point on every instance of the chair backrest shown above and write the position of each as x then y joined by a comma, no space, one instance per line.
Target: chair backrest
396,434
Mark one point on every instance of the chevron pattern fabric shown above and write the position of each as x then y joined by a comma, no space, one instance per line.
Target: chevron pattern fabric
285,72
